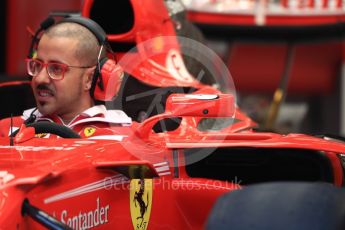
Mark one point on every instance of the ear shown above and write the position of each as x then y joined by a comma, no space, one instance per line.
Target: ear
88,78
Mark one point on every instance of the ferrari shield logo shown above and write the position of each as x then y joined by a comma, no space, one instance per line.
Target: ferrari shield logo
140,202
88,131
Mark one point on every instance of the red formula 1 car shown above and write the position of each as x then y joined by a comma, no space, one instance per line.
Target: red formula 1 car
151,180
157,176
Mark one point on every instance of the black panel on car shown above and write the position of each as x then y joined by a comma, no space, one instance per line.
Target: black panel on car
255,165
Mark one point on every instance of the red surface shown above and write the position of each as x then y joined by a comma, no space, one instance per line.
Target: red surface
221,19
66,182
157,46
288,13
303,20
68,177
270,20
27,13
71,177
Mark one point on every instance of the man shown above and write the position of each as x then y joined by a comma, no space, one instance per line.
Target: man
62,73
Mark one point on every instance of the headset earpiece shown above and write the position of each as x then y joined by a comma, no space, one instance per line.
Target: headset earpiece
108,81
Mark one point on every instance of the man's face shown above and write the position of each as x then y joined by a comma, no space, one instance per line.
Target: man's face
69,96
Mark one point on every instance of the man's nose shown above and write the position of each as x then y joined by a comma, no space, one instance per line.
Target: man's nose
42,76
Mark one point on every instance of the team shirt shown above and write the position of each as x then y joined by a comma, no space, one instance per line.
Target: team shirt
95,123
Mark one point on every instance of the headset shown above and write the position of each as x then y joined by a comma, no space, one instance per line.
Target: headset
108,75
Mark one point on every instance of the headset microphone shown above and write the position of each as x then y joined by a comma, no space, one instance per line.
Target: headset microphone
43,26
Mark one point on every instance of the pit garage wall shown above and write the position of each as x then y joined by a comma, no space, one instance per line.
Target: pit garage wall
316,31
257,64
21,14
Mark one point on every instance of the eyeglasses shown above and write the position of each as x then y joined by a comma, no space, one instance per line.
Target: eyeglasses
55,70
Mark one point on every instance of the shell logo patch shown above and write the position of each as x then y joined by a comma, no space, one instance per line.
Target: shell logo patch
89,131
140,202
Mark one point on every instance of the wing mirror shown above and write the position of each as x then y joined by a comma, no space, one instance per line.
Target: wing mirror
191,105
201,105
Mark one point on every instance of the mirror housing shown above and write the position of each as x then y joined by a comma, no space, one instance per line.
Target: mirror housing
201,105
191,105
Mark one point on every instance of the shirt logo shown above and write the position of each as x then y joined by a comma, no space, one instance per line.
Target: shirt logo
89,131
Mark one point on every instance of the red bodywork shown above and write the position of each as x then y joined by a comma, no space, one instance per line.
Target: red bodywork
87,183
76,179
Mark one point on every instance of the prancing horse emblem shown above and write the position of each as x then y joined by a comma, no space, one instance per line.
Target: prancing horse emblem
141,202
89,131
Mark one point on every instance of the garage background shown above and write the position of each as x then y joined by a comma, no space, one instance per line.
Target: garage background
257,57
